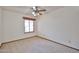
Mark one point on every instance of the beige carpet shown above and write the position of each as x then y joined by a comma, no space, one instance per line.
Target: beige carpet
35,45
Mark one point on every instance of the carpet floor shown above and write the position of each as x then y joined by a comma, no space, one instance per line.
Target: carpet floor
35,45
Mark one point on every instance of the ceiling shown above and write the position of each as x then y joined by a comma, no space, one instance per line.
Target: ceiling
28,9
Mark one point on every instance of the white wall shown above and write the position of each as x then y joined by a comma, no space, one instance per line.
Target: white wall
61,26
1,34
13,26
0,25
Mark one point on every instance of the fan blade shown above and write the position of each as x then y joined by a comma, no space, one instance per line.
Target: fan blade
40,13
42,10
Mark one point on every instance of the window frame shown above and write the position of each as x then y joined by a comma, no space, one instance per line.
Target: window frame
29,25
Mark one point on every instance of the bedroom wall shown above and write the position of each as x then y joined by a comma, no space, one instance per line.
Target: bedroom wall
61,26
1,33
13,26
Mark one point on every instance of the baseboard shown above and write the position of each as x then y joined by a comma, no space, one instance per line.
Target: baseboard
46,38
18,39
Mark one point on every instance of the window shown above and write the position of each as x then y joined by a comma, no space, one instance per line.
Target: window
29,25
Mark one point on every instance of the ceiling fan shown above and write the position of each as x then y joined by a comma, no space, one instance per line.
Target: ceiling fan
37,11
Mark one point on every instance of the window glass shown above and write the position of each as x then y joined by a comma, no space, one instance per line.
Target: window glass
29,24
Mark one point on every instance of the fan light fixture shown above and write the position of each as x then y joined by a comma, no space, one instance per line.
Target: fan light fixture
37,11
34,8
34,13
